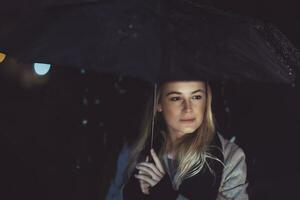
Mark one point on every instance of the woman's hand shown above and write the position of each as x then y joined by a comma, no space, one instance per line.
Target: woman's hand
144,185
150,173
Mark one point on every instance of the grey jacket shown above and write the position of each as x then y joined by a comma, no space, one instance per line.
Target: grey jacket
234,178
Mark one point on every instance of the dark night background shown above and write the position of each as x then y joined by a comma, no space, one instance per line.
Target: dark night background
61,133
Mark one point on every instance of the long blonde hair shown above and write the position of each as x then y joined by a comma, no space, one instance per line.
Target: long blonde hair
191,150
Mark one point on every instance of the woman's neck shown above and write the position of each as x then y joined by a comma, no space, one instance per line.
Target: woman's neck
170,146
173,135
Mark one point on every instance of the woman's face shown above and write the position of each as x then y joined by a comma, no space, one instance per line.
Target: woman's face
182,104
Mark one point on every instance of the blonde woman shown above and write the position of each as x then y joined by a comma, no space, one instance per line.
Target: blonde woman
189,160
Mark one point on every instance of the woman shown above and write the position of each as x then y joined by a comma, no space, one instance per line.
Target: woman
189,161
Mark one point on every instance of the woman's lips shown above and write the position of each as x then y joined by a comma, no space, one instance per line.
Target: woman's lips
187,120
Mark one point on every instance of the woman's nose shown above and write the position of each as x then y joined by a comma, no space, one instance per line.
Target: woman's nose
187,106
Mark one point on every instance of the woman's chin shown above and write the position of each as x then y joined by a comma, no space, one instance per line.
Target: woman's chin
187,130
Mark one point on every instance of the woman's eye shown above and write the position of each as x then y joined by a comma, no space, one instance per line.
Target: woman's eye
197,97
175,98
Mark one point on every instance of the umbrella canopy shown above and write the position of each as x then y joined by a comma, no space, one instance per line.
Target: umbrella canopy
154,40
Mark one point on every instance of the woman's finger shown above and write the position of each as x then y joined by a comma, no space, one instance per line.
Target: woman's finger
148,171
144,187
148,180
157,161
144,184
144,173
150,166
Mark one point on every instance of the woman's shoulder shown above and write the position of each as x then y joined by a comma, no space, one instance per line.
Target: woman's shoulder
231,151
234,177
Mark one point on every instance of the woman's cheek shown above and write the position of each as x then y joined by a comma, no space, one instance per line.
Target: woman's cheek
171,115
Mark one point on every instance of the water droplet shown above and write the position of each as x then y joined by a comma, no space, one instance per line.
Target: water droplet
122,91
97,101
85,101
120,78
82,71
227,109
104,138
77,163
84,122
120,32
135,35
89,159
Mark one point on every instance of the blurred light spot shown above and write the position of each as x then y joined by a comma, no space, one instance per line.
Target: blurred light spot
97,101
233,139
90,159
85,101
135,34
119,88
104,138
78,164
84,121
41,68
227,109
2,57
82,71
120,78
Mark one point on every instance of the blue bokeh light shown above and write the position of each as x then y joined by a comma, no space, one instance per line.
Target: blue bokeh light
41,68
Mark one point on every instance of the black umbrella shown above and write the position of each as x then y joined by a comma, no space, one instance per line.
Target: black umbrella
147,39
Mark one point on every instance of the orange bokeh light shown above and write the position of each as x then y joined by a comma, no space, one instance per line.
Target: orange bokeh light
2,57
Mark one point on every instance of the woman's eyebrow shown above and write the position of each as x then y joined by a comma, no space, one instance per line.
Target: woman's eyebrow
199,90
175,92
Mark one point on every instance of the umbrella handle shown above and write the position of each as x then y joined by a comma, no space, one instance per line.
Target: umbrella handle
153,114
